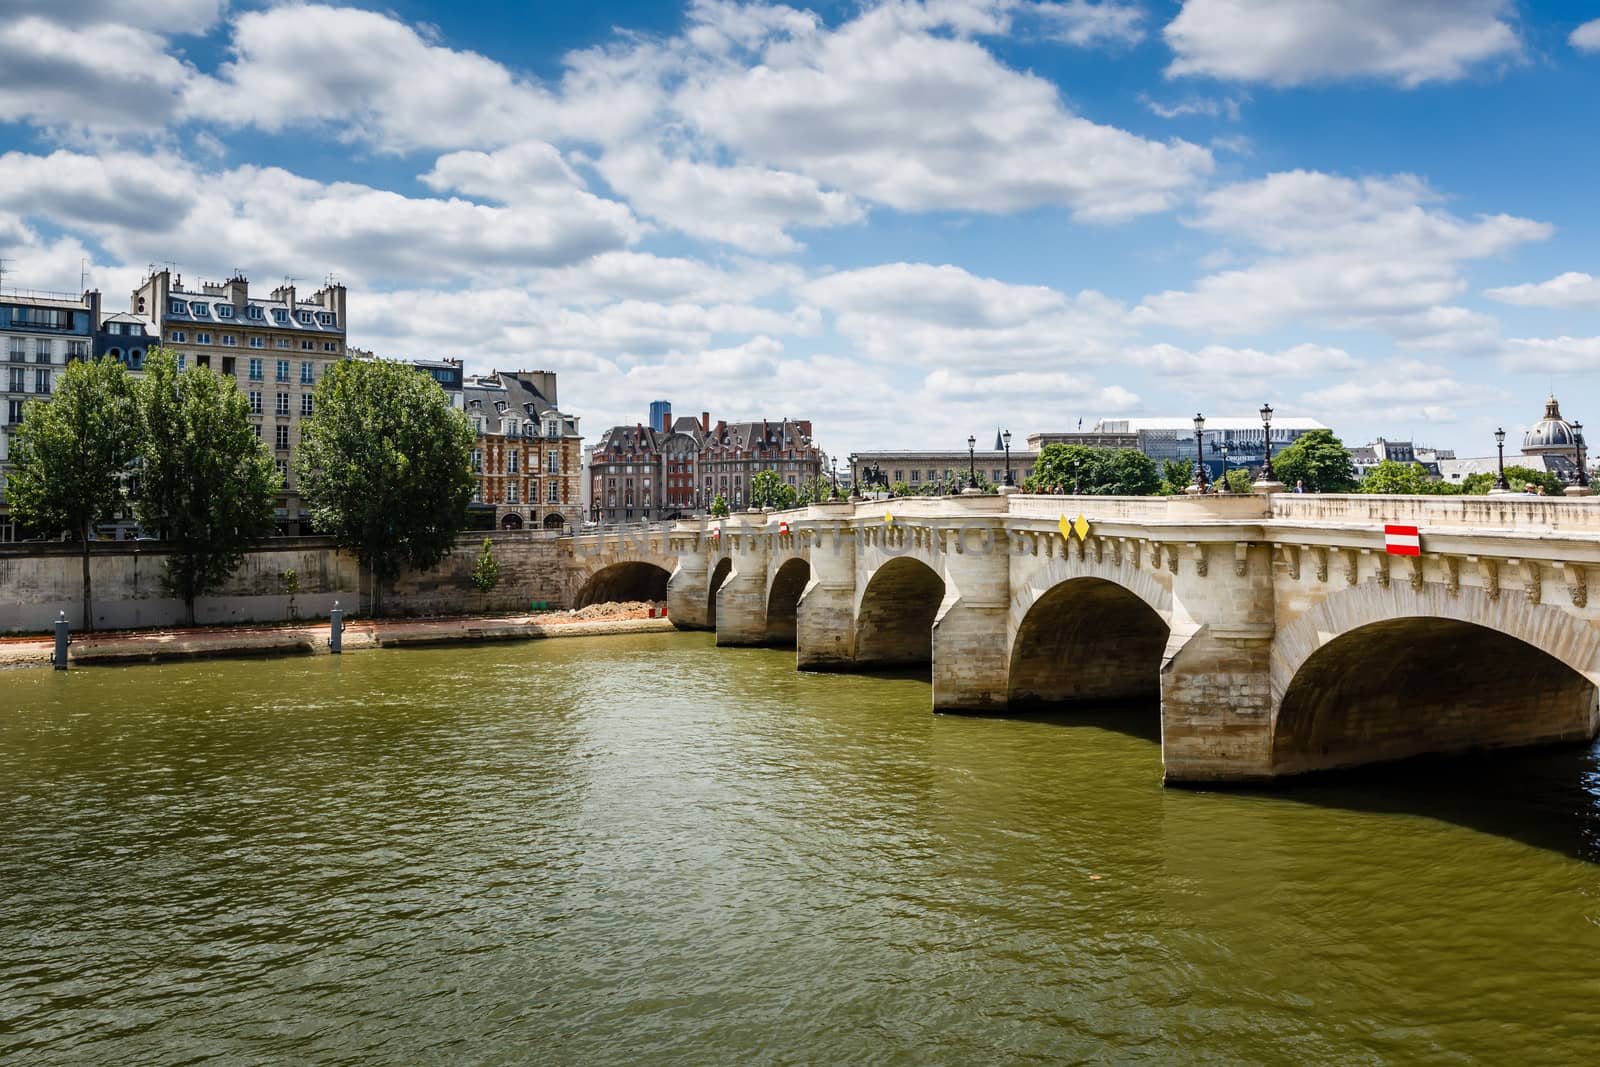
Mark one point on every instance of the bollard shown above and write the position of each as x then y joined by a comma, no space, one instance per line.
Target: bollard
335,629
63,639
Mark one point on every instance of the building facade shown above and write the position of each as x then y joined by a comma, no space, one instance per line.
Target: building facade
528,456
40,333
919,470
277,348
642,473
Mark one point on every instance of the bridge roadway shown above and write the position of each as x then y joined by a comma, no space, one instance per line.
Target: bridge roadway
1278,635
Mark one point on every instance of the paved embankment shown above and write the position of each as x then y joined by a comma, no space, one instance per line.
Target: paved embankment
153,646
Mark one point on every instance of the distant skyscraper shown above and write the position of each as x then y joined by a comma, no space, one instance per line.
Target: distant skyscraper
659,410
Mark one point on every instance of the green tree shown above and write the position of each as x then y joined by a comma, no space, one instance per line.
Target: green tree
385,466
1477,484
1319,460
767,490
1176,476
69,456
486,572
206,481
1238,480
719,507
1395,478
1519,478
290,581
900,489
1095,471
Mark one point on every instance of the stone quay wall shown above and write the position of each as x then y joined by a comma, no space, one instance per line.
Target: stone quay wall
39,580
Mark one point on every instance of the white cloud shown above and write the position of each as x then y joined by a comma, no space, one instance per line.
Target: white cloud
1299,42
1212,107
91,77
1586,38
1082,23
1412,392
1552,355
1573,289
156,209
888,111
1224,361
369,76
1345,253
167,16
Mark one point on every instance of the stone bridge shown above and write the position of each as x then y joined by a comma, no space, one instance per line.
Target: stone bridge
1276,634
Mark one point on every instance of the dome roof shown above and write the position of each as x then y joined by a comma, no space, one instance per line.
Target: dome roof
1551,432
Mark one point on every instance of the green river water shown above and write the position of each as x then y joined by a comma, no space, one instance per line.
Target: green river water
648,850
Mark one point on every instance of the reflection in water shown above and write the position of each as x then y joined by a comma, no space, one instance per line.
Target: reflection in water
647,848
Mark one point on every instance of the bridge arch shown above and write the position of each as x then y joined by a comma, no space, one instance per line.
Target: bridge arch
783,600
894,619
1371,675
1086,639
627,580
719,574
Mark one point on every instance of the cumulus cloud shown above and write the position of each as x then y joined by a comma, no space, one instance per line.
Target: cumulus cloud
1413,391
1573,289
1299,42
1586,38
98,76
167,16
1375,253
1082,23
1552,355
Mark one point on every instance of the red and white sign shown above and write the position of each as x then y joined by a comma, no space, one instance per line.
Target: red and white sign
1402,541
716,532
783,526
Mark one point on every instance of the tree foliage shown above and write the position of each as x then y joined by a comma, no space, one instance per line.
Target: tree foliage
69,456
1096,471
1519,478
1176,476
206,481
1238,480
385,465
719,507
486,572
767,490
1319,460
1397,478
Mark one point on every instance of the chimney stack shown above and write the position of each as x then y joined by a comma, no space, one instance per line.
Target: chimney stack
666,422
705,422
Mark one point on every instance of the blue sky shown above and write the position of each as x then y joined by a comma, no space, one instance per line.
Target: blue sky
905,221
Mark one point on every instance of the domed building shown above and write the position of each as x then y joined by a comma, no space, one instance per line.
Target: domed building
1558,441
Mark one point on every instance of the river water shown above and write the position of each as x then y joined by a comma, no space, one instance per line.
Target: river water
648,850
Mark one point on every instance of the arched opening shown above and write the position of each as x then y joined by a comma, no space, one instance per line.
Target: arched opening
1087,641
1415,686
894,624
719,574
553,521
512,521
634,580
783,601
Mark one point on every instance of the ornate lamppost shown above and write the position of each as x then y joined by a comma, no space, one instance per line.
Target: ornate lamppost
972,462
1199,485
1581,447
1222,486
1267,482
1077,484
1006,438
1500,485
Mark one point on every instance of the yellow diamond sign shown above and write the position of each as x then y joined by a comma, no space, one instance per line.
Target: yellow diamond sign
1066,527
888,519
1081,524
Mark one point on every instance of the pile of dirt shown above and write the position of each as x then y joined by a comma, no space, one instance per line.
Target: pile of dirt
626,609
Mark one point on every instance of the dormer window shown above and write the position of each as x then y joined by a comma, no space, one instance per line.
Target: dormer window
511,427
199,310
224,311
254,311
304,317
326,318
280,316
177,307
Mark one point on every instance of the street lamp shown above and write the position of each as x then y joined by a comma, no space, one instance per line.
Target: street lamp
1500,446
1077,485
972,462
1199,454
1223,488
1006,438
1581,447
1266,434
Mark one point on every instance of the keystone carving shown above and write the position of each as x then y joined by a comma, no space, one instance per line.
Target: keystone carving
1491,578
1116,551
1291,558
1241,558
1416,573
1535,583
1320,555
1452,575
1577,583
1200,564
1352,566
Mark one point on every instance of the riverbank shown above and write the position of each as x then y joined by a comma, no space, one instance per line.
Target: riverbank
155,646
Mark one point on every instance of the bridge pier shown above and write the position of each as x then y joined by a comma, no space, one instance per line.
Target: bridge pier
825,621
971,662
686,592
742,598
1216,687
